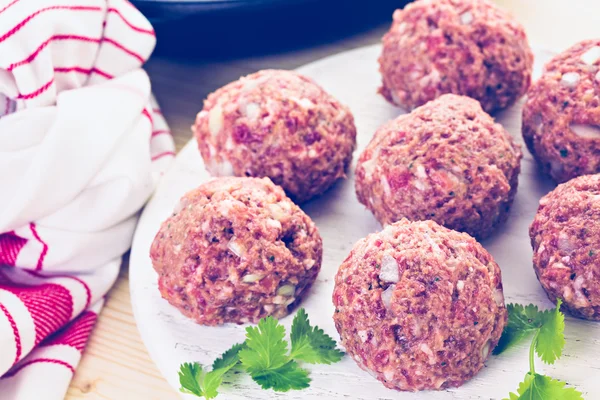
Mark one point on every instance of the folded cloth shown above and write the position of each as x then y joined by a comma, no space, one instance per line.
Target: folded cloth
82,145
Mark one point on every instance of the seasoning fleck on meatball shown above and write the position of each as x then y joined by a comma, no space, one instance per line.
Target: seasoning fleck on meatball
447,161
561,118
236,250
277,124
467,47
419,306
565,236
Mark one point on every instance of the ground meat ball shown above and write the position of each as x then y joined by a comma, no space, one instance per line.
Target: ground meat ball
236,250
561,118
278,124
419,306
565,236
467,47
446,161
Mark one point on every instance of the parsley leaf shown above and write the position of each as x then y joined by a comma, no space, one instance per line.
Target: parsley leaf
265,358
522,321
551,339
212,381
540,387
264,355
281,379
548,341
194,380
229,358
528,317
221,366
265,347
311,344
190,378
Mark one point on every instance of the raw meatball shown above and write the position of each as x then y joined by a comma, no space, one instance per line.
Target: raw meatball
278,124
565,236
446,161
419,306
468,47
561,118
236,250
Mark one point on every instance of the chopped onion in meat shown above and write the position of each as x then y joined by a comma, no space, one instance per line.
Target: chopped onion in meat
389,269
252,278
215,120
386,296
286,290
586,131
236,248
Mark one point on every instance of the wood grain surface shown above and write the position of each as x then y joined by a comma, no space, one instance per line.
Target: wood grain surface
116,364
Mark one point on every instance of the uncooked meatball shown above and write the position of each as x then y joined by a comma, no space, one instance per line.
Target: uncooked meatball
236,250
467,47
565,236
447,161
277,124
561,118
419,306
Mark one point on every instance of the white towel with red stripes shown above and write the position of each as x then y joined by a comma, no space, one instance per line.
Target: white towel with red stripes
82,145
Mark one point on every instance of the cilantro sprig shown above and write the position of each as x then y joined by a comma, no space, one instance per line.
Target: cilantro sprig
547,328
194,380
311,344
265,357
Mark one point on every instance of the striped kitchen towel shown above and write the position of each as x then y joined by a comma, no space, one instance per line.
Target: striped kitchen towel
82,146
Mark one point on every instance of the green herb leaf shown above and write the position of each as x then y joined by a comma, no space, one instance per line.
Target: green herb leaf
522,321
190,378
523,388
540,387
311,344
265,358
221,366
551,338
264,355
265,347
548,342
229,358
528,317
213,380
281,379
193,380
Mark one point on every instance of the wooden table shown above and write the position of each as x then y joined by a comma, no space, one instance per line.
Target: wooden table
116,364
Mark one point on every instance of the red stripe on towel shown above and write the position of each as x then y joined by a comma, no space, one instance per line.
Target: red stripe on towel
24,22
38,361
129,24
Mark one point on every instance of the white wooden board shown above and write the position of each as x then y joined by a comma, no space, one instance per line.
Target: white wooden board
353,78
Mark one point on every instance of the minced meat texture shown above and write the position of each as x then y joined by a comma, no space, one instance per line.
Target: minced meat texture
236,250
561,118
278,124
447,161
467,47
419,306
565,236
